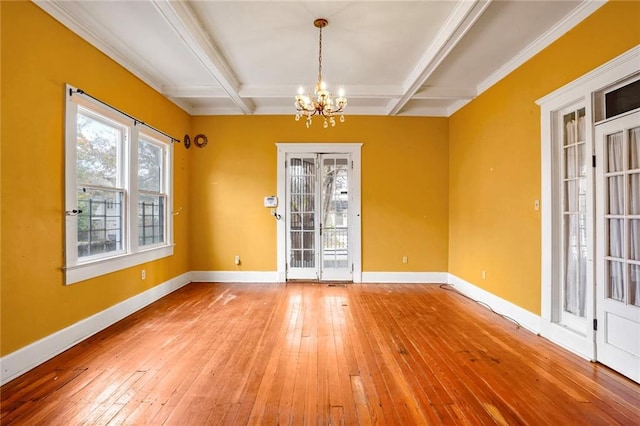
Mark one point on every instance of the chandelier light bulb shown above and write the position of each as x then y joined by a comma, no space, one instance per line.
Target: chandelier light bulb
300,90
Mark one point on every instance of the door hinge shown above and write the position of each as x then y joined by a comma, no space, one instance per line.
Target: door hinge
351,164
352,268
595,324
593,160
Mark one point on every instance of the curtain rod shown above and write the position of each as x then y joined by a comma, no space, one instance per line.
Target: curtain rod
135,120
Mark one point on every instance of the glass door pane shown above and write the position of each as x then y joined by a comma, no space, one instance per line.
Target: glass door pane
335,206
302,181
574,173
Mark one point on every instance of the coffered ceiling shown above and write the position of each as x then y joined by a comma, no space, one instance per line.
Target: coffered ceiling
420,58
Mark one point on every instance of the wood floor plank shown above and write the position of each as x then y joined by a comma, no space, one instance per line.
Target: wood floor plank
307,353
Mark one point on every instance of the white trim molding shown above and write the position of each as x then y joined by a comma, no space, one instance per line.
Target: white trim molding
354,149
578,15
36,353
234,276
405,277
526,319
580,91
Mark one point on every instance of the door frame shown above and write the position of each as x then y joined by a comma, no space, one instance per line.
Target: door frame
588,91
354,215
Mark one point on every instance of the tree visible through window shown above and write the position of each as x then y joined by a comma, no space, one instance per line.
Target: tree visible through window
99,179
117,190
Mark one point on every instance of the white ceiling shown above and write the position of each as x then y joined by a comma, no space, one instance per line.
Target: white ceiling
421,58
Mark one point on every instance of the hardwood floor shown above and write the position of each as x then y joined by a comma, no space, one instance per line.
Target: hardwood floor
316,354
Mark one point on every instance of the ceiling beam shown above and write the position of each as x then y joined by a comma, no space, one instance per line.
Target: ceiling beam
426,92
184,22
458,23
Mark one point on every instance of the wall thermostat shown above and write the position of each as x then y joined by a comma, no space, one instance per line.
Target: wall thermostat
271,201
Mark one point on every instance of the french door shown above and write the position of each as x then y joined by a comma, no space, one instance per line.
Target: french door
618,236
317,221
575,199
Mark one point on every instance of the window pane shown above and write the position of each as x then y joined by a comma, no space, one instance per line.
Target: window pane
616,242
151,219
616,194
614,152
583,159
634,239
149,166
634,148
570,161
571,196
575,267
98,147
570,129
634,285
615,280
634,193
100,225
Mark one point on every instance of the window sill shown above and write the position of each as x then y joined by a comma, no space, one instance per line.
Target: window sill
85,271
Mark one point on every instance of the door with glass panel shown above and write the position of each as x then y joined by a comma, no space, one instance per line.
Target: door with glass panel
618,235
575,161
317,197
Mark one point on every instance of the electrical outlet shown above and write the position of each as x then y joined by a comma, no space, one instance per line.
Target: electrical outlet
143,274
484,274
536,205
237,260
405,259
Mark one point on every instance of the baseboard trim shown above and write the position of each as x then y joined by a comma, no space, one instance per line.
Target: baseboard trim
235,276
528,320
568,339
272,277
36,353
405,277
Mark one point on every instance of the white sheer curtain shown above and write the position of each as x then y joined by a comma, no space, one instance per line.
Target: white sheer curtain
575,234
634,209
616,207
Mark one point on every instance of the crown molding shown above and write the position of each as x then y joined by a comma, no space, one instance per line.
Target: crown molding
458,23
578,15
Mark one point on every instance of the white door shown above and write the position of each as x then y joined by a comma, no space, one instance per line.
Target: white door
575,163
317,228
618,249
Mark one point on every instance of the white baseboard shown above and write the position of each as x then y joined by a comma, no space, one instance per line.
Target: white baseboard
235,276
34,354
405,277
526,319
570,340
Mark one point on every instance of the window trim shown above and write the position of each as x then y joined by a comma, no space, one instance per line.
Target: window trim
77,270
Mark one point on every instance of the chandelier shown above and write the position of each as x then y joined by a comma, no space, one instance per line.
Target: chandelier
322,103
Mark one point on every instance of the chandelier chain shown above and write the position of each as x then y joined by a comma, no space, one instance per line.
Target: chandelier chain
320,57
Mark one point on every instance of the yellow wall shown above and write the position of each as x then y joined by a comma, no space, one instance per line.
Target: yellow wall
451,194
39,56
495,158
404,189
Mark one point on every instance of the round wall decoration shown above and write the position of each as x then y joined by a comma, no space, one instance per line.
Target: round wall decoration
200,140
187,141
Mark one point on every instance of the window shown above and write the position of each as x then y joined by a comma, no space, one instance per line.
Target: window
118,190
